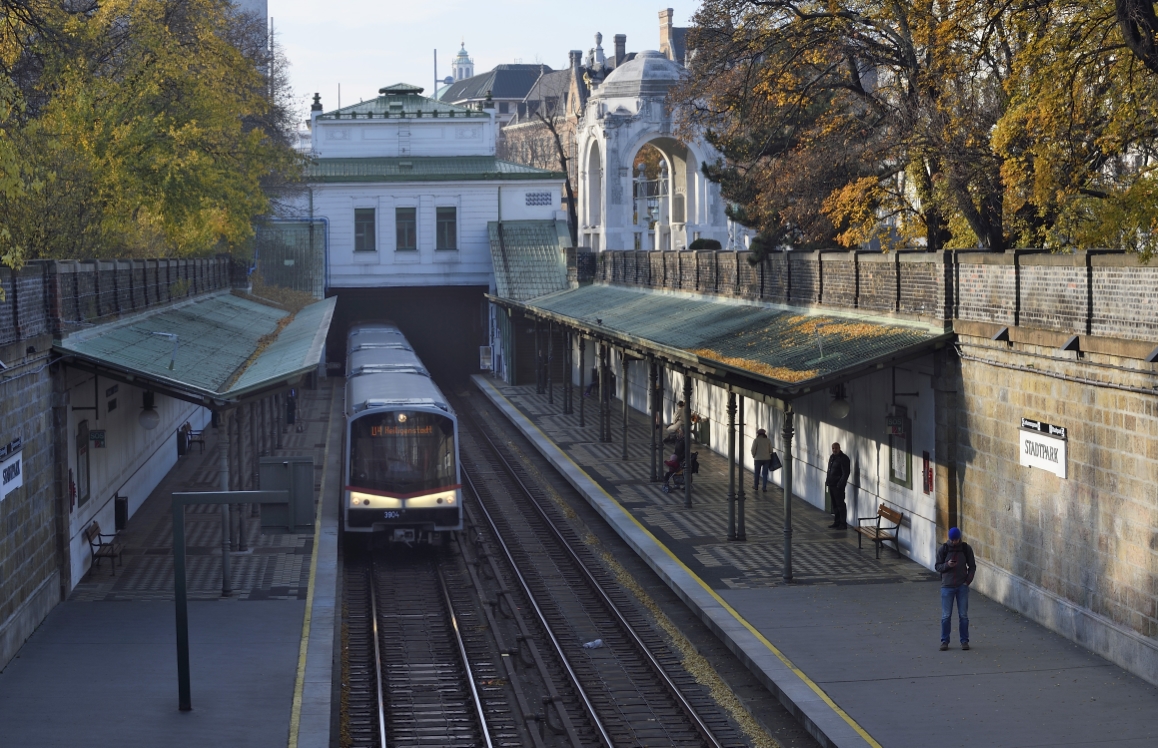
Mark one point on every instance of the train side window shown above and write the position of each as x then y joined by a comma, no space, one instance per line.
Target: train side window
364,229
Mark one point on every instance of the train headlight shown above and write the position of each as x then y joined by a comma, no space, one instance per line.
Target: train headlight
360,499
401,418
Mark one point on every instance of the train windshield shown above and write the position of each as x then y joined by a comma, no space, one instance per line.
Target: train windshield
402,452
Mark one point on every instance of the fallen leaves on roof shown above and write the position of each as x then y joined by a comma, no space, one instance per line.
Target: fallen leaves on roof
780,373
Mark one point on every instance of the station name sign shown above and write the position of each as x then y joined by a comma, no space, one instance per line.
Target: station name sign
1043,445
11,467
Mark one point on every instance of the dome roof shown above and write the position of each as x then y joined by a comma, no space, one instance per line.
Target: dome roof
651,73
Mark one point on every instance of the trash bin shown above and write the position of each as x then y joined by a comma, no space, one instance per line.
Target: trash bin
182,442
120,512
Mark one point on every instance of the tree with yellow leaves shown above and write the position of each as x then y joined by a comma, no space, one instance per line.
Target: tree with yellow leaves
149,135
948,124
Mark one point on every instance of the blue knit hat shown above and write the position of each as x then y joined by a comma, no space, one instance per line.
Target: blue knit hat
954,533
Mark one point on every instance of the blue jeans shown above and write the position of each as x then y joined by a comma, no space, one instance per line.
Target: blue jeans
961,595
761,469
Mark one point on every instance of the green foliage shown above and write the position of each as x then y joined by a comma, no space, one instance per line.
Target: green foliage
705,244
983,123
150,135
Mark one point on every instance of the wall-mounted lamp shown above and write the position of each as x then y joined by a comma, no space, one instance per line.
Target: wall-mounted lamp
149,417
839,406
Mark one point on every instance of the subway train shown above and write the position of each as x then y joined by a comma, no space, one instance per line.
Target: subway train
401,460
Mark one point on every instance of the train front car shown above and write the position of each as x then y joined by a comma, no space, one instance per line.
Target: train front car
402,474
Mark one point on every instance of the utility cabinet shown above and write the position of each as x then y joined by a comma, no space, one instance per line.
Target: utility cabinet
295,475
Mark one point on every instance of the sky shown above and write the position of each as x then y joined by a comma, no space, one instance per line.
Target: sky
363,45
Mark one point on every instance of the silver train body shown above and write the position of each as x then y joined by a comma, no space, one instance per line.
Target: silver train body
401,458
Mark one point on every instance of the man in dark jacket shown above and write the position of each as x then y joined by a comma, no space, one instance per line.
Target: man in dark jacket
957,566
839,468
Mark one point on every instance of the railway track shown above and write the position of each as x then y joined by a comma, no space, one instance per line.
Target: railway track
482,642
418,672
636,689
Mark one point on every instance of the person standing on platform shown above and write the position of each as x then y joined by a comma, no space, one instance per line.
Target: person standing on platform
761,457
839,469
957,565
678,422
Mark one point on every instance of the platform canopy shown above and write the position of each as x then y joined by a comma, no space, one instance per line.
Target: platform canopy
216,350
774,350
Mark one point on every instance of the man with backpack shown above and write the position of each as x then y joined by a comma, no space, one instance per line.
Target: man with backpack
957,566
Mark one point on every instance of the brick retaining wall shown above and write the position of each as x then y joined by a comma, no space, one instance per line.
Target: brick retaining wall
1111,294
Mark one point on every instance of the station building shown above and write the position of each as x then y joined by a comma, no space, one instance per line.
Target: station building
404,187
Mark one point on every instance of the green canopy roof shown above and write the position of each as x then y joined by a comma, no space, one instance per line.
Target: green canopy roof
529,257
227,347
422,169
793,349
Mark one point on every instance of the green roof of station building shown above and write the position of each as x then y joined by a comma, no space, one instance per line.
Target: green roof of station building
402,101
529,257
772,343
228,347
422,169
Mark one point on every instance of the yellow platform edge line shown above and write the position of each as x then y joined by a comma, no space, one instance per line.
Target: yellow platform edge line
732,611
303,648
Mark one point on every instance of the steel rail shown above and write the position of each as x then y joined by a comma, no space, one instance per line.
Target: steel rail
582,692
377,658
478,706
656,666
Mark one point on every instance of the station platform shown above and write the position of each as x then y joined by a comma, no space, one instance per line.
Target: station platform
851,645
102,668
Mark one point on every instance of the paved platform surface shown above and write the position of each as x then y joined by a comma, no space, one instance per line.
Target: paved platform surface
102,667
852,644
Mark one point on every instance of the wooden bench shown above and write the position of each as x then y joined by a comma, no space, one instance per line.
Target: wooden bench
102,548
878,534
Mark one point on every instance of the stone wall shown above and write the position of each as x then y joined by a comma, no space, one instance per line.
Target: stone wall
39,302
1103,293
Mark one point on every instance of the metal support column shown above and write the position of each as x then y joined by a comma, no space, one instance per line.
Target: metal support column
568,351
538,360
550,361
687,441
654,398
741,529
605,393
731,466
623,389
582,377
223,467
786,474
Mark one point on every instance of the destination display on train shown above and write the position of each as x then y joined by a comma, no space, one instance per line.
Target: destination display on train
393,430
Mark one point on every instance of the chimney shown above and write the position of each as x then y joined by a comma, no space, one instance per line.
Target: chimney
576,59
620,48
665,26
